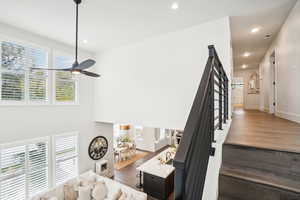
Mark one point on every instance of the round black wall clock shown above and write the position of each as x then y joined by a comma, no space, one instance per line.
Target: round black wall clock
98,148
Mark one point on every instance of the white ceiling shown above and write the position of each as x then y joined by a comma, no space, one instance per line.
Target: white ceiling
110,23
269,20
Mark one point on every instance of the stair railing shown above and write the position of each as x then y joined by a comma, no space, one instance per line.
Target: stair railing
208,113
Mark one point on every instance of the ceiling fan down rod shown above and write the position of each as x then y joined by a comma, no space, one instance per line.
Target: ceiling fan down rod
77,2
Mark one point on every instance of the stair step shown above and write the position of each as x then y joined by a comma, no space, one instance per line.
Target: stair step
239,189
226,198
261,177
284,164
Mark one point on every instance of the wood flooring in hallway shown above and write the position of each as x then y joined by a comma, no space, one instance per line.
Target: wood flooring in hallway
262,130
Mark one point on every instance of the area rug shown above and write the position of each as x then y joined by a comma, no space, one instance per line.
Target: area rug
139,154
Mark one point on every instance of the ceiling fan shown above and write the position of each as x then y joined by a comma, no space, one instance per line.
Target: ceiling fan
77,68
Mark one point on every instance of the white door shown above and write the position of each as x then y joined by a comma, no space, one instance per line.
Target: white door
238,91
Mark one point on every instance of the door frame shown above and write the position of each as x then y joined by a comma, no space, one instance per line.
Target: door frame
273,83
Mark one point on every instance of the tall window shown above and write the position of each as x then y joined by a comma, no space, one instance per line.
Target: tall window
38,79
65,83
66,157
23,170
18,82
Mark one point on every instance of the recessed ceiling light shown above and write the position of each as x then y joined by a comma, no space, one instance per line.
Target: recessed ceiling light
84,41
244,66
246,54
175,6
255,30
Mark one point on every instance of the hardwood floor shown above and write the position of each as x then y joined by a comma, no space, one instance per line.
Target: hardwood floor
128,175
263,130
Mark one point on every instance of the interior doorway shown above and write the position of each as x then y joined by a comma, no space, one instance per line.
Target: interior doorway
272,87
238,92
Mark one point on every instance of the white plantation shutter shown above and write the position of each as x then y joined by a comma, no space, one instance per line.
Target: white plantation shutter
37,173
18,82
65,83
38,79
66,158
23,170
13,173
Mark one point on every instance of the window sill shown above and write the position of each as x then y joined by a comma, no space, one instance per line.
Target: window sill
36,104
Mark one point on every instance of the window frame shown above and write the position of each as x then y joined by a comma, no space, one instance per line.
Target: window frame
56,53
50,81
54,137
27,100
26,143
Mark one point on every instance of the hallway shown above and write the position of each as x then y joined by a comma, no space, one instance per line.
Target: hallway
258,129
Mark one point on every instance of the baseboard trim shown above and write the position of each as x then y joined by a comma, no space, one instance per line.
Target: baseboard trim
289,116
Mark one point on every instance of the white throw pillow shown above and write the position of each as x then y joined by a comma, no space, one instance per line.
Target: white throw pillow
49,198
131,197
123,196
84,193
117,195
100,191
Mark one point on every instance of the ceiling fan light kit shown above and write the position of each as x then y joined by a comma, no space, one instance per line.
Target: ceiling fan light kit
77,68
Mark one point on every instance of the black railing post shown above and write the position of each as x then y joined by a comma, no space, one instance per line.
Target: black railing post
212,54
179,182
212,110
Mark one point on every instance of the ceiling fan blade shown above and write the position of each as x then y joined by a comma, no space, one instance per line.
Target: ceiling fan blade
67,69
90,74
85,64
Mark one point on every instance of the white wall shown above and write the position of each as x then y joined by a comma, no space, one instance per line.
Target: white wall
250,101
27,122
153,83
149,140
146,141
287,53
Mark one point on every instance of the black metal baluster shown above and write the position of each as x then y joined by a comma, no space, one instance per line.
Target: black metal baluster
224,96
220,95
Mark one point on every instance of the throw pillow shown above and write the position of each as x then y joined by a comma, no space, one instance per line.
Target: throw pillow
69,192
117,195
123,196
49,198
131,197
84,182
84,193
100,191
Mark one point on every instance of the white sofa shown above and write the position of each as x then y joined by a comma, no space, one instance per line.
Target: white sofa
113,187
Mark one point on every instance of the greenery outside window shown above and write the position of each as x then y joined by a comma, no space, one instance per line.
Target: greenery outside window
20,84
24,169
17,82
65,82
